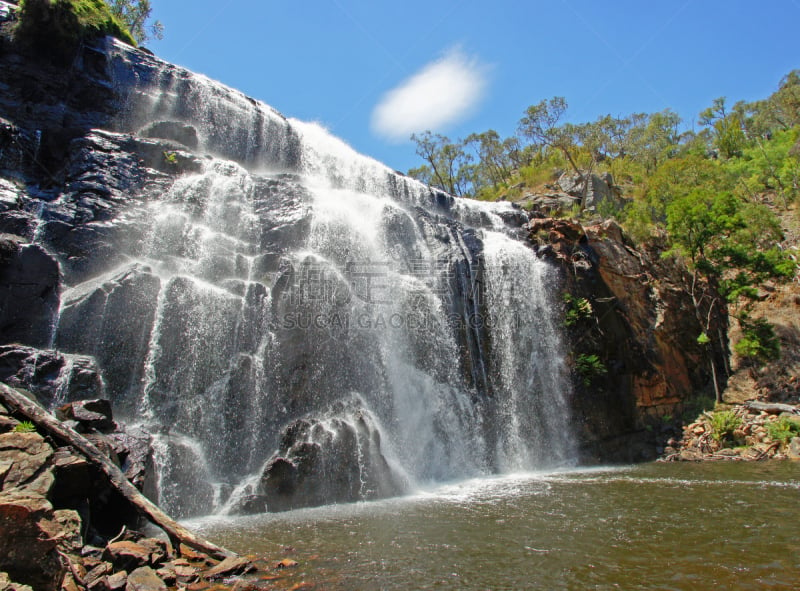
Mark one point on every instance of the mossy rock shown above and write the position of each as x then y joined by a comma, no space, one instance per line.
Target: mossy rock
57,27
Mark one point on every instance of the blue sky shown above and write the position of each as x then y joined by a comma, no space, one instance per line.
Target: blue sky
464,66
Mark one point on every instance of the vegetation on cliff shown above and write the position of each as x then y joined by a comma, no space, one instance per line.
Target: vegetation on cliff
62,24
57,27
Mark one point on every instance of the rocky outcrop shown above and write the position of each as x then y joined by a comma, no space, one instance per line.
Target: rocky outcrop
54,377
586,192
33,536
591,190
634,349
314,465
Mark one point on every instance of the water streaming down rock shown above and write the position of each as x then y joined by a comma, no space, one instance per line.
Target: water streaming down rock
301,325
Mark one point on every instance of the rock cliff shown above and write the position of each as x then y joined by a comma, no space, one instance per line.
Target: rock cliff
640,325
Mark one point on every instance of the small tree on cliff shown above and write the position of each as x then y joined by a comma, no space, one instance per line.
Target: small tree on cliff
448,166
135,14
541,125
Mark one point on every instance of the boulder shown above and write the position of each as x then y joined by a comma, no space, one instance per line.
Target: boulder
330,460
127,555
236,565
144,578
133,447
90,414
117,581
6,584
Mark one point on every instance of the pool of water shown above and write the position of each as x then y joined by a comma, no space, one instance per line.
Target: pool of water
654,526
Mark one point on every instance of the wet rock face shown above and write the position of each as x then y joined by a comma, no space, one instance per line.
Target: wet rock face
111,317
29,285
183,469
338,459
51,375
186,135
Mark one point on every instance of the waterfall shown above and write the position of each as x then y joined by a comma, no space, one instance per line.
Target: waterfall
297,316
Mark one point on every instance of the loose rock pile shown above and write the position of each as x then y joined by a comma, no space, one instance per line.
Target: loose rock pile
748,439
50,541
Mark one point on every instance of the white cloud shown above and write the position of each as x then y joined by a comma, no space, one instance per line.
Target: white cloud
441,93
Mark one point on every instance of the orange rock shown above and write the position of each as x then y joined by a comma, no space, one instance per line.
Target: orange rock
286,563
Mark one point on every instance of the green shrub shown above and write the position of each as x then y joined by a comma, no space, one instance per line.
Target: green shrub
783,429
759,343
723,424
590,367
577,309
25,427
610,208
57,27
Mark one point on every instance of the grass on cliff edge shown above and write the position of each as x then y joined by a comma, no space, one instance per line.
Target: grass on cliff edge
62,24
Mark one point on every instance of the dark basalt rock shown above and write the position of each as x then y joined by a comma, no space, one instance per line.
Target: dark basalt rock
315,465
111,318
51,375
90,414
29,281
134,448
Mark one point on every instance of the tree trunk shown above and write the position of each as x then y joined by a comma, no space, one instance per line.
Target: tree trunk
774,408
45,421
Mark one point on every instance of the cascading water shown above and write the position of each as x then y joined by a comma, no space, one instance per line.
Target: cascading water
295,296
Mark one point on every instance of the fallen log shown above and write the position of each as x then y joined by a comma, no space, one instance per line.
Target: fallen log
176,533
773,408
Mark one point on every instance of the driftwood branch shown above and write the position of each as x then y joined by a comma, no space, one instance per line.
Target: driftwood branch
773,408
45,421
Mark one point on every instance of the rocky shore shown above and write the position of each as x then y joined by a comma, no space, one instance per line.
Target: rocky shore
752,431
65,526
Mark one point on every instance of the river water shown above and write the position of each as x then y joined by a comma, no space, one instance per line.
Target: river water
653,526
